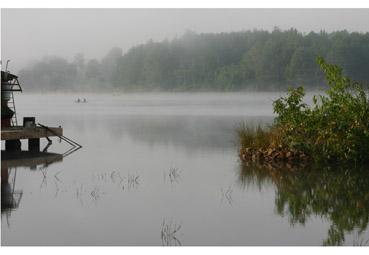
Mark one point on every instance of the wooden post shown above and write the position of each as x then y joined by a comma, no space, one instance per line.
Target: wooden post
34,144
4,175
13,145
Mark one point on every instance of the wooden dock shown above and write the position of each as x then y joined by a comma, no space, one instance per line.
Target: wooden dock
13,135
18,133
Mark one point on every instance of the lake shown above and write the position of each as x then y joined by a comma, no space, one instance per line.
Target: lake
163,169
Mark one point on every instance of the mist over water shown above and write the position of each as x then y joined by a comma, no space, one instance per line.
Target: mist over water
161,167
156,169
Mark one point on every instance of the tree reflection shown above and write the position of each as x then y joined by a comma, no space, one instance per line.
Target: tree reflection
339,194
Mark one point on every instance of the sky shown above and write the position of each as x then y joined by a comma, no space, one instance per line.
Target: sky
30,34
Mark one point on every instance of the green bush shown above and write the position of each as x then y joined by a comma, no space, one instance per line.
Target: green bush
335,127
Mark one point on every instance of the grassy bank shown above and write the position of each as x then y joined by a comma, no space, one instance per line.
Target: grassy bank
334,128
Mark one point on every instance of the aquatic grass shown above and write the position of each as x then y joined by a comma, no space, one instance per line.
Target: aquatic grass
95,193
57,189
173,174
168,233
79,193
44,178
56,176
132,180
258,138
115,178
227,195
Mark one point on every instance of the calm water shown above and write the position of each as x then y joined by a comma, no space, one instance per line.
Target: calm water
163,170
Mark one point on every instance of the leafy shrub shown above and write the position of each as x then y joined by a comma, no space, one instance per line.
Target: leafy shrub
335,127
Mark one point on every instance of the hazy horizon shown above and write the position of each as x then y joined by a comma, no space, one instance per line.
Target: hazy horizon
220,127
30,34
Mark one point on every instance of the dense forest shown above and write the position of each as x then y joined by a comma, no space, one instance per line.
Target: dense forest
235,61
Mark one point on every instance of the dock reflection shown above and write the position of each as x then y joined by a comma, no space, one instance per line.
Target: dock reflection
10,161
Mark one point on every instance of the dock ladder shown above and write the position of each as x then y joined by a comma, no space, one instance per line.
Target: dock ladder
11,105
14,87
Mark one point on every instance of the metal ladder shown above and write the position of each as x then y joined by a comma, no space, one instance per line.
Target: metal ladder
15,86
11,105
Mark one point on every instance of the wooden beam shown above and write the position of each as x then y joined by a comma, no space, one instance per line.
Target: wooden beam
17,133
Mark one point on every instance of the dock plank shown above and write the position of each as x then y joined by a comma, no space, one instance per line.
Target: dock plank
15,133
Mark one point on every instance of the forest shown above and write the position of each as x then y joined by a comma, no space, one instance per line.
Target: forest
255,60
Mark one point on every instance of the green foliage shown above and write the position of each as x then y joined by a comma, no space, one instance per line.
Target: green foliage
335,127
245,60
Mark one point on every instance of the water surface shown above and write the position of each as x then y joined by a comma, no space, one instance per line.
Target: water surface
163,169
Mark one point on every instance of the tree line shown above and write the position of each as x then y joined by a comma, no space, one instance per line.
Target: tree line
234,61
